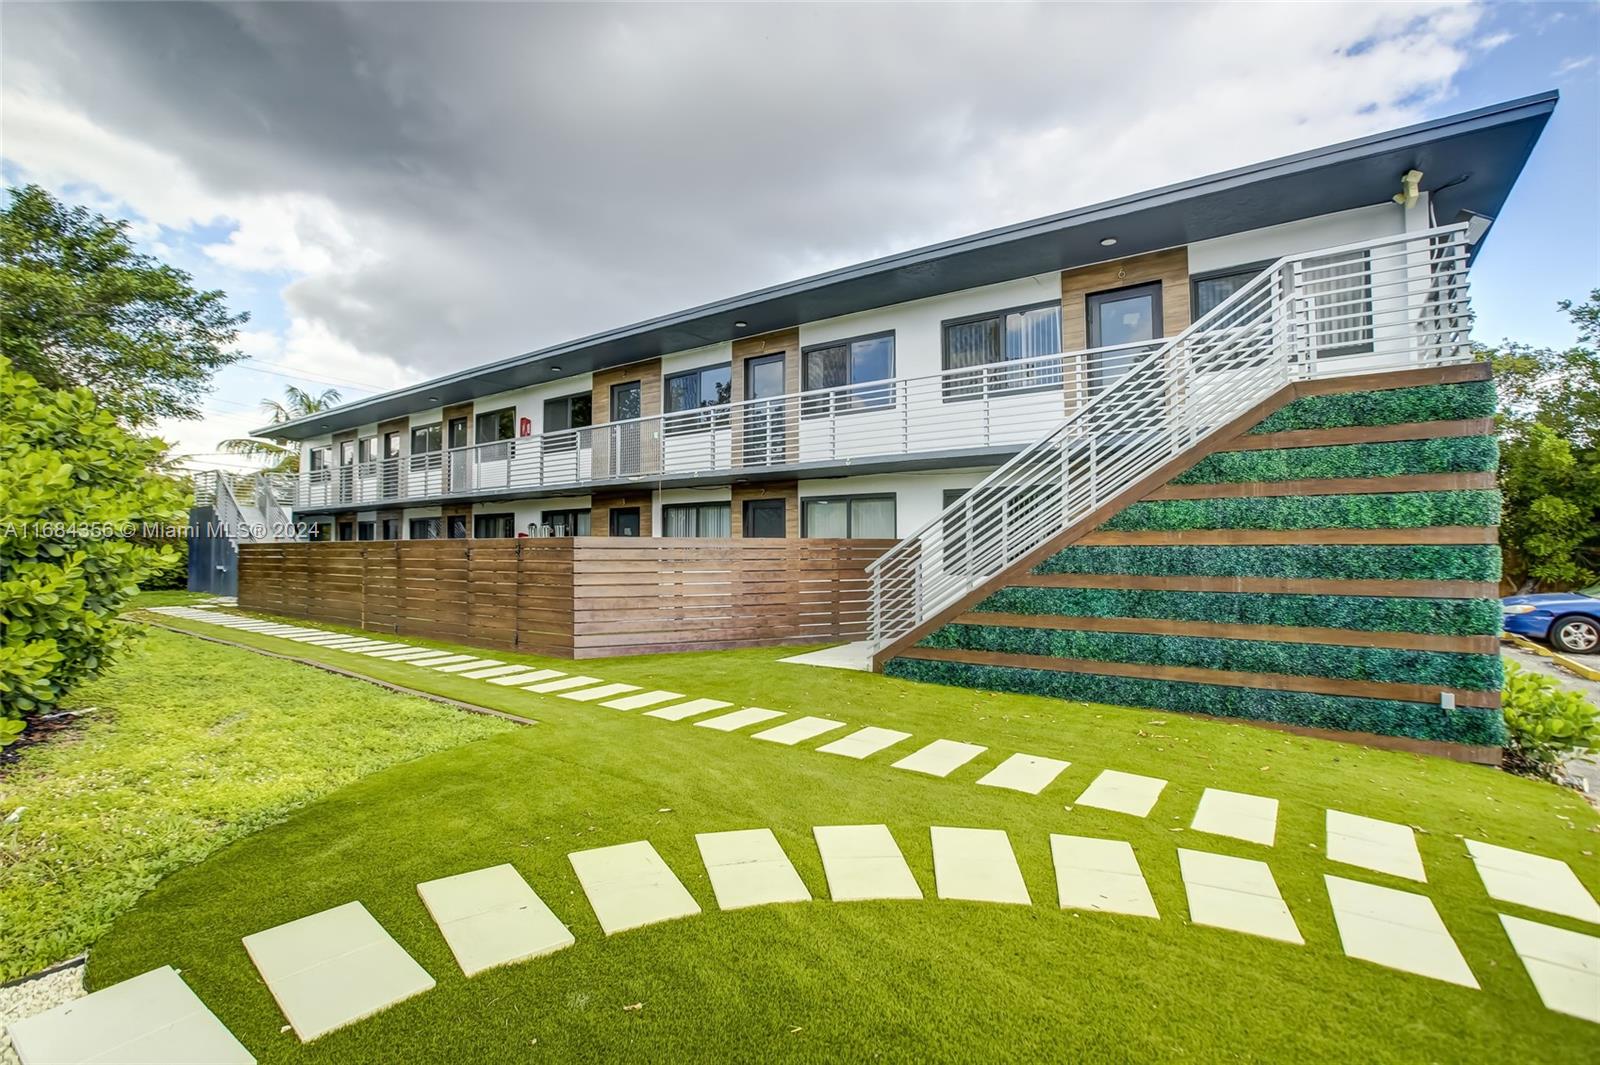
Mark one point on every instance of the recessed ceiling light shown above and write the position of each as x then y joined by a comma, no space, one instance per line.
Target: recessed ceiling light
1106,242
740,325
433,399
555,369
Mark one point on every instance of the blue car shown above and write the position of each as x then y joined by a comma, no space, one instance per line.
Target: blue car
1570,621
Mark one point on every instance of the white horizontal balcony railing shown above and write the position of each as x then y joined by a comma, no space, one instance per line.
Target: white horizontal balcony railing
995,405
1389,304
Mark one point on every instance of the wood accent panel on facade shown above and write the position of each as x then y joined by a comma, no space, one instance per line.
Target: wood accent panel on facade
1364,434
602,503
1405,641
1437,534
1222,438
1331,486
639,445
1170,268
788,491
1365,689
581,597
647,373
787,343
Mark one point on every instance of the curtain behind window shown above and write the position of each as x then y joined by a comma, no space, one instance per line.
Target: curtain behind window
872,518
679,521
827,518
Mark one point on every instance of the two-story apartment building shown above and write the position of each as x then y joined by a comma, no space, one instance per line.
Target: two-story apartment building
861,402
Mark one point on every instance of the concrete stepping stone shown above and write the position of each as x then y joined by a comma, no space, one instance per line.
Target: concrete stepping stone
1027,773
747,867
688,709
863,862
642,700
461,660
1564,965
864,742
333,968
940,758
484,672
629,886
398,655
563,684
1123,793
153,1017
750,715
801,728
1396,929
1382,846
1252,818
491,917
1238,894
1100,874
429,659
509,679
470,663
977,865
604,691
1532,880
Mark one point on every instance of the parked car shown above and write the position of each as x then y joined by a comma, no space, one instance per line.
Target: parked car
1570,621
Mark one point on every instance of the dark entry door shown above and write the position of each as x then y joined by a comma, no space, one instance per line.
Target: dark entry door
764,517
626,405
763,429
624,521
460,460
1122,316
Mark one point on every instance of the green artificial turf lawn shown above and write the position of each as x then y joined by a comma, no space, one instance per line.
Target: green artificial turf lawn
927,980
189,747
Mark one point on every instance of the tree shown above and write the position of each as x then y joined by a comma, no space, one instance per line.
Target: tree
284,456
1549,427
83,308
78,496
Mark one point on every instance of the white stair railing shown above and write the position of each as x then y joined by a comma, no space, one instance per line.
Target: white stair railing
1387,304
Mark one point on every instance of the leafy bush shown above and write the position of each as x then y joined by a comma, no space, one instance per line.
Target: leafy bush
1427,562
1387,717
1439,617
1388,510
1546,724
72,484
1456,454
1393,406
1447,669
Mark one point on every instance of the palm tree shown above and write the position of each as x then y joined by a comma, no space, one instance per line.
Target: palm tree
284,456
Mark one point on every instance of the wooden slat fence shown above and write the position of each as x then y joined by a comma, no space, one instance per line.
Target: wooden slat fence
582,597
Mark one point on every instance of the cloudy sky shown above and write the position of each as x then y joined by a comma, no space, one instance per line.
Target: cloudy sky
394,191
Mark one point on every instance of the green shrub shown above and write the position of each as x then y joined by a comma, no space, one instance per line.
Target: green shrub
1392,406
1447,669
1546,724
1459,454
1389,510
1426,562
72,484
1439,617
1385,717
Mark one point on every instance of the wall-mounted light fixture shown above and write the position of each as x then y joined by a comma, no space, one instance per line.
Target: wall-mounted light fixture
1410,188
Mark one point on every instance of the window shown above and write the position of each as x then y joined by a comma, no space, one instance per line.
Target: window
322,530
320,458
366,530
455,526
347,452
1116,318
426,441
494,526
391,528
1209,290
853,516
624,521
425,528
765,518
367,453
980,347
1341,303
564,522
858,361
696,519
566,413
698,390
492,426
391,445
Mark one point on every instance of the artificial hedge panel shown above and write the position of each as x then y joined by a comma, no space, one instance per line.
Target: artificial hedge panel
1447,669
1429,562
1458,454
1435,617
1380,510
1424,721
1394,406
